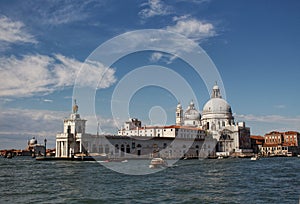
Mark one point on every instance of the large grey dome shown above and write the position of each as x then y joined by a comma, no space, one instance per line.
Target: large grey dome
215,106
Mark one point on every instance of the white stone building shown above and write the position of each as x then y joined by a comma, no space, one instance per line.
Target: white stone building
133,141
70,140
213,132
218,121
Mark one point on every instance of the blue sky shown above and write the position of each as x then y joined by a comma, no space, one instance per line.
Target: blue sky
253,44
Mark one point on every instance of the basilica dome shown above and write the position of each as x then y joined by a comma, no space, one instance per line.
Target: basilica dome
217,110
215,106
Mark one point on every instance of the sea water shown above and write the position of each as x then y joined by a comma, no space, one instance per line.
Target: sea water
268,180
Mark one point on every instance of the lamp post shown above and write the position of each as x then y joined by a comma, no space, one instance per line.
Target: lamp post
45,141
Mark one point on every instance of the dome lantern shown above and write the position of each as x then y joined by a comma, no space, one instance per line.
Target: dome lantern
216,92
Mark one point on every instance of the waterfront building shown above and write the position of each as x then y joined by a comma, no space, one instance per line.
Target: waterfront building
216,121
257,143
213,133
35,149
133,141
70,140
281,143
134,127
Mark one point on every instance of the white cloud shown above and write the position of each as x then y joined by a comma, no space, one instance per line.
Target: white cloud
154,8
267,123
270,118
179,18
18,125
280,106
64,11
156,56
34,74
48,100
167,58
14,32
192,28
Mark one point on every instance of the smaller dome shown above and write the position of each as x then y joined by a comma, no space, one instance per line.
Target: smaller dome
192,114
33,141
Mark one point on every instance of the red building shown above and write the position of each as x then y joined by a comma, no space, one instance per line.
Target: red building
281,143
257,142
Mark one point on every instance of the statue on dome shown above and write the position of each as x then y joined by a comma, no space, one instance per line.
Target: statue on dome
75,107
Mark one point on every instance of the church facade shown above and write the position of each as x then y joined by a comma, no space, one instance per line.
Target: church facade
217,120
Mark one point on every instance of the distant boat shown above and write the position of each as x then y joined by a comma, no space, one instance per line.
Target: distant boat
289,154
255,157
298,155
9,155
157,163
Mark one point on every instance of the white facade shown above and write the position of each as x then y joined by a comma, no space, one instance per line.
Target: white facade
216,113
69,141
215,126
217,119
172,131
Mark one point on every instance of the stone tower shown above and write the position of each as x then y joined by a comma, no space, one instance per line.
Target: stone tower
69,142
179,114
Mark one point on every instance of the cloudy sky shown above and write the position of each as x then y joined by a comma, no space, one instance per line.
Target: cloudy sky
44,45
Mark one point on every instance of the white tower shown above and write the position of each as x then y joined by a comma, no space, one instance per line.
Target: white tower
69,142
179,114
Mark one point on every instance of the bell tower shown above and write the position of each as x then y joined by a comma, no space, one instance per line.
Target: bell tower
179,114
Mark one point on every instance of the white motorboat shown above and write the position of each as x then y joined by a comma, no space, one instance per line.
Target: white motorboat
157,163
254,158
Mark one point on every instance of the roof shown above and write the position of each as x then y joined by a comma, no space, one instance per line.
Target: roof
164,127
273,133
257,137
291,133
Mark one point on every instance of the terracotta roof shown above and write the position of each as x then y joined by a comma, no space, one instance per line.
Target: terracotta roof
291,132
274,132
257,137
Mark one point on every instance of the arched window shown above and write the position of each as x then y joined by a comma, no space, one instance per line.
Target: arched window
128,148
117,148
